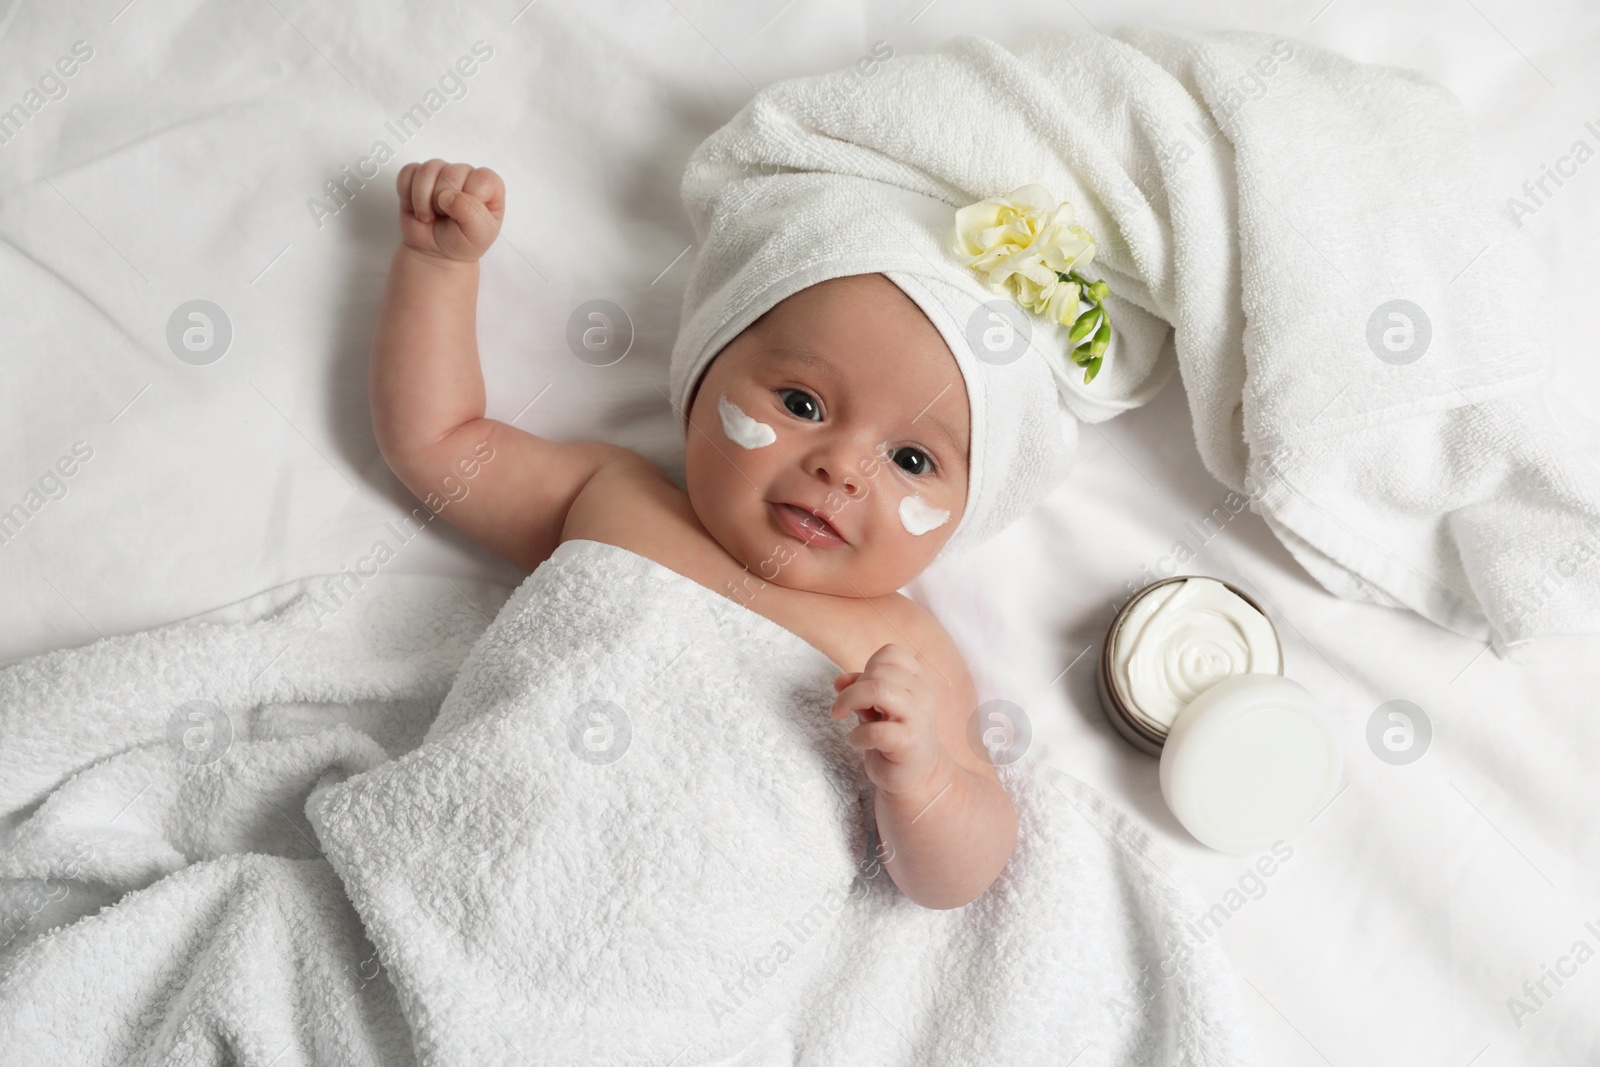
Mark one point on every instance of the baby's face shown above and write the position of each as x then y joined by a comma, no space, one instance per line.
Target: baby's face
843,404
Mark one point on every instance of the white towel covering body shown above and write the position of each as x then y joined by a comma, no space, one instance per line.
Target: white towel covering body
690,880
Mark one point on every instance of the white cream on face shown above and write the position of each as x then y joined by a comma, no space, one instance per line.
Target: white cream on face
918,516
741,429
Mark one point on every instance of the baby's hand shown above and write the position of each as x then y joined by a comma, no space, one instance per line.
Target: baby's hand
450,210
899,709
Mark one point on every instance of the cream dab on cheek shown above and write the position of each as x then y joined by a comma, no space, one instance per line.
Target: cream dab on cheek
918,516
741,429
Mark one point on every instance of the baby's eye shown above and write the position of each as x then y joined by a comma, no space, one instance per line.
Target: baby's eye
800,403
913,460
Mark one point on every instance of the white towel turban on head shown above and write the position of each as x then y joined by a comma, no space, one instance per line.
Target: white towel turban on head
781,199
1264,213
772,239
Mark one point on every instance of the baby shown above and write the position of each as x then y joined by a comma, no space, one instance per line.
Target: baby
827,452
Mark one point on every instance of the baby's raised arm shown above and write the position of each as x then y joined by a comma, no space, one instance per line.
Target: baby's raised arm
507,489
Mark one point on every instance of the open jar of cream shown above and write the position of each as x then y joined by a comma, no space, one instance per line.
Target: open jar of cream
1191,670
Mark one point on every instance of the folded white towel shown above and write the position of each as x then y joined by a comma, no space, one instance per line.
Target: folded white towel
528,882
633,835
162,897
1360,332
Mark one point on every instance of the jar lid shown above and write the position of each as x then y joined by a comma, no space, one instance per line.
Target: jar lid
1250,761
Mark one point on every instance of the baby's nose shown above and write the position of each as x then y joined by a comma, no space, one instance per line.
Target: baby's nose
853,477
836,467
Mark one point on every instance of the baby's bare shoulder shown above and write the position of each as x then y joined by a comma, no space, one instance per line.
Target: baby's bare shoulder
633,504
628,492
926,635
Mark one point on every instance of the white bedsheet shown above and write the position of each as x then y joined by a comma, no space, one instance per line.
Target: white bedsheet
179,163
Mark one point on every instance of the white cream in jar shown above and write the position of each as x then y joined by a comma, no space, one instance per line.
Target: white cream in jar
1191,672
1181,638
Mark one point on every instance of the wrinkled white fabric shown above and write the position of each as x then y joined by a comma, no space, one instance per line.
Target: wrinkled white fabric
1258,204
507,878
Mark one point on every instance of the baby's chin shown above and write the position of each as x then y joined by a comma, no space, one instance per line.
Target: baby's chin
773,559
836,572
789,563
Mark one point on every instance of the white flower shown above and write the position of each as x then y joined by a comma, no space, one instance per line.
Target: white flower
1024,245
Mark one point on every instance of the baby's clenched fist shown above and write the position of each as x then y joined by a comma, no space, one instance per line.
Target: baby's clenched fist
898,737
450,210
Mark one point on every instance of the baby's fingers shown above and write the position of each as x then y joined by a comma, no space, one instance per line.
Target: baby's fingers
886,736
872,693
418,188
469,213
486,185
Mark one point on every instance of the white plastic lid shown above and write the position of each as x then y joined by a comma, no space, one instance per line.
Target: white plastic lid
1250,761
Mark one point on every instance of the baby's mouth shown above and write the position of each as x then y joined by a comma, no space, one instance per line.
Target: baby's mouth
807,526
